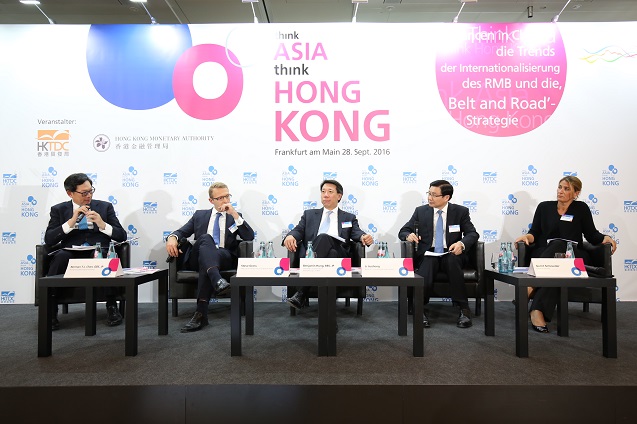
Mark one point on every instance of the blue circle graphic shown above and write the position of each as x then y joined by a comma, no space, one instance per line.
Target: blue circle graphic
403,271
576,272
340,271
278,271
131,66
106,272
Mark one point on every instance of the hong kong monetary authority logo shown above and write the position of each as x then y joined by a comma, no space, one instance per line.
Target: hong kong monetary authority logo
101,143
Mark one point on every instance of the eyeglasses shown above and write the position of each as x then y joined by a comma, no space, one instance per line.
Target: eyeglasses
86,193
430,194
226,197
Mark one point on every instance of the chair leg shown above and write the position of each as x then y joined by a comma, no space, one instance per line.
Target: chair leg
175,309
359,307
65,308
478,306
347,302
586,307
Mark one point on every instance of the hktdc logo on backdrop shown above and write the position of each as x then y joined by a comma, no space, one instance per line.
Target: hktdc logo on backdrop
630,206
150,264
165,235
630,265
410,177
27,208
390,206
490,236
529,176
610,176
189,206
472,205
170,178
7,296
249,177
489,177
9,179
53,143
8,237
309,204
149,208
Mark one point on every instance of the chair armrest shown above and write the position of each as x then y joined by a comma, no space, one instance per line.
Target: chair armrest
123,253
601,255
406,249
246,249
524,253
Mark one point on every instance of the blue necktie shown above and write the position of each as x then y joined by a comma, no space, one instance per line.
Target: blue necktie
82,224
325,226
216,233
439,245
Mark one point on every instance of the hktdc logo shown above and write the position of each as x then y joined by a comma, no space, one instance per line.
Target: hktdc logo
7,296
8,237
170,178
489,177
150,208
249,178
9,179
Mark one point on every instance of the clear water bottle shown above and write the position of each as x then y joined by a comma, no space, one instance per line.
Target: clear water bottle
569,250
98,251
309,253
269,252
501,258
509,257
385,250
111,250
262,250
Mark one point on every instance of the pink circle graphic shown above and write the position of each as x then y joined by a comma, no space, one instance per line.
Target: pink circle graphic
186,96
501,80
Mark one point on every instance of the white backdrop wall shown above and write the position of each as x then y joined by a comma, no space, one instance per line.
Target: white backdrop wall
154,114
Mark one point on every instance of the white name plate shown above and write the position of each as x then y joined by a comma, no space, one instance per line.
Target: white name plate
387,267
558,267
93,268
325,267
263,267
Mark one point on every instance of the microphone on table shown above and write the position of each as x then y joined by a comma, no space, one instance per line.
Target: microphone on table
417,235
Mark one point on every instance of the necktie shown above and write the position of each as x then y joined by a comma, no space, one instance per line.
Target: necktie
82,224
216,233
439,245
325,226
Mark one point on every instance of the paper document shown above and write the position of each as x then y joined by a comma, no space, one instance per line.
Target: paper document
80,248
428,253
566,240
139,270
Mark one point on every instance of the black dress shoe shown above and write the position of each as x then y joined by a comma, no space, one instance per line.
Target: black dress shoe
464,318
55,324
113,317
196,323
539,328
222,287
297,301
425,321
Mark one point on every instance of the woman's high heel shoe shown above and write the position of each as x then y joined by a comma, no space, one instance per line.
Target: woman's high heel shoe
539,328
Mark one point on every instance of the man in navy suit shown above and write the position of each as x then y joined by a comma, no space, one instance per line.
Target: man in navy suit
319,226
444,230
82,221
217,237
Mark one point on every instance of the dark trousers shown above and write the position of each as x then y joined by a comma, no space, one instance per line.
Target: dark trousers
545,298
325,246
208,259
59,263
450,264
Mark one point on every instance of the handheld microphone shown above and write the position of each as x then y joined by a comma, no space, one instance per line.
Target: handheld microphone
417,235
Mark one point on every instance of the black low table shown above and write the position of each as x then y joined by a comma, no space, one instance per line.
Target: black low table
327,306
522,280
129,282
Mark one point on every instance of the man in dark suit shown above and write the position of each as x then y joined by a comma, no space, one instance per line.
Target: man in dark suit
82,221
319,226
443,232
217,237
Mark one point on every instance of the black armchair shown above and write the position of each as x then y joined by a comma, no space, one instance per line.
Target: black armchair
357,251
473,275
600,257
182,284
66,296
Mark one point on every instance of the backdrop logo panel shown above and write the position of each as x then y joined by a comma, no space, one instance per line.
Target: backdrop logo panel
449,174
489,177
289,177
630,206
8,237
591,201
472,205
369,177
170,178
27,266
7,296
189,206
501,80
610,176
9,179
410,177
509,205
27,208
129,177
209,176
53,143
49,178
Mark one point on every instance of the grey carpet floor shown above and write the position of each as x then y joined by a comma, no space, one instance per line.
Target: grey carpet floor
284,350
